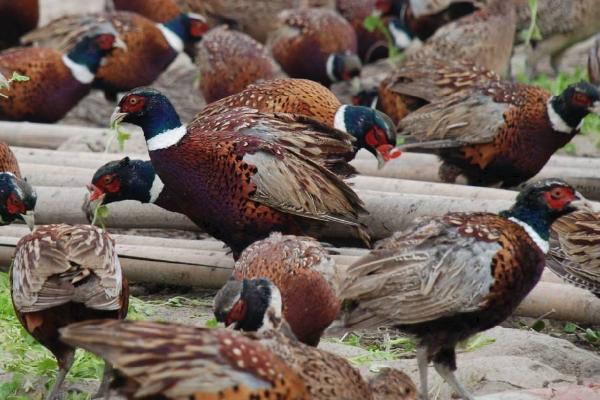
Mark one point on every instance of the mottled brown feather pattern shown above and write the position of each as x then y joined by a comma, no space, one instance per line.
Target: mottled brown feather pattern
326,375
182,362
305,38
8,161
50,82
400,283
249,187
16,19
485,37
229,61
147,55
293,96
63,274
416,83
255,17
304,273
574,250
156,10
486,130
326,146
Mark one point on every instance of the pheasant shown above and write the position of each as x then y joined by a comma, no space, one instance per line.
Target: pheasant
56,81
184,362
372,130
573,246
17,197
417,83
485,37
237,180
16,19
296,266
446,278
63,274
501,132
316,44
156,10
257,18
128,179
150,47
229,61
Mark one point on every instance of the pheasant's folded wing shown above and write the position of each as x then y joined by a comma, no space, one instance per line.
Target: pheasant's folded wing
428,272
179,361
57,264
464,118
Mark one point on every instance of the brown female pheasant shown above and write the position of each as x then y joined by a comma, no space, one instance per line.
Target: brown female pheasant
296,266
446,278
63,274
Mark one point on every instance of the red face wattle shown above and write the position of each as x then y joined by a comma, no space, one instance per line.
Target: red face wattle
198,28
14,205
132,103
377,140
237,313
105,41
581,100
109,183
559,197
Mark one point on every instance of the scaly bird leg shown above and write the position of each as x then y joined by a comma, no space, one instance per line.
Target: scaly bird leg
448,375
64,365
103,391
423,365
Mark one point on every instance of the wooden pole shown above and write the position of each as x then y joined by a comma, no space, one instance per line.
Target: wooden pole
47,136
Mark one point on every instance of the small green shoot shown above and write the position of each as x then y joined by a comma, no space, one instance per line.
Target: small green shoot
570,328
120,134
476,342
100,215
590,335
374,22
533,31
212,323
5,83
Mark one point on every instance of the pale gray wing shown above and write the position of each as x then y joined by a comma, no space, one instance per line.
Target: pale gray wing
428,272
467,117
57,264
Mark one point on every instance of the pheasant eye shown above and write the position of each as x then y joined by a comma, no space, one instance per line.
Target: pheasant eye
133,104
105,41
108,179
581,99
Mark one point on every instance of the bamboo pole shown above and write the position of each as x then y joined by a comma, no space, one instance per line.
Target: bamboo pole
48,136
210,269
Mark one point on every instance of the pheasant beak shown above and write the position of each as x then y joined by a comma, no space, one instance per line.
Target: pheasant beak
3,81
95,193
595,108
386,152
583,204
29,219
116,118
120,44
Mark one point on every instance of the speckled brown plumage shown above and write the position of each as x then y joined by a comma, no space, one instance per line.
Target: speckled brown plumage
304,273
255,17
184,362
8,161
485,37
499,131
147,55
50,92
63,274
424,17
305,38
445,278
416,83
16,19
574,245
293,96
250,187
156,10
229,61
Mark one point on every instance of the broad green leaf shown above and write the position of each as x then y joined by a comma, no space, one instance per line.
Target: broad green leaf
570,328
